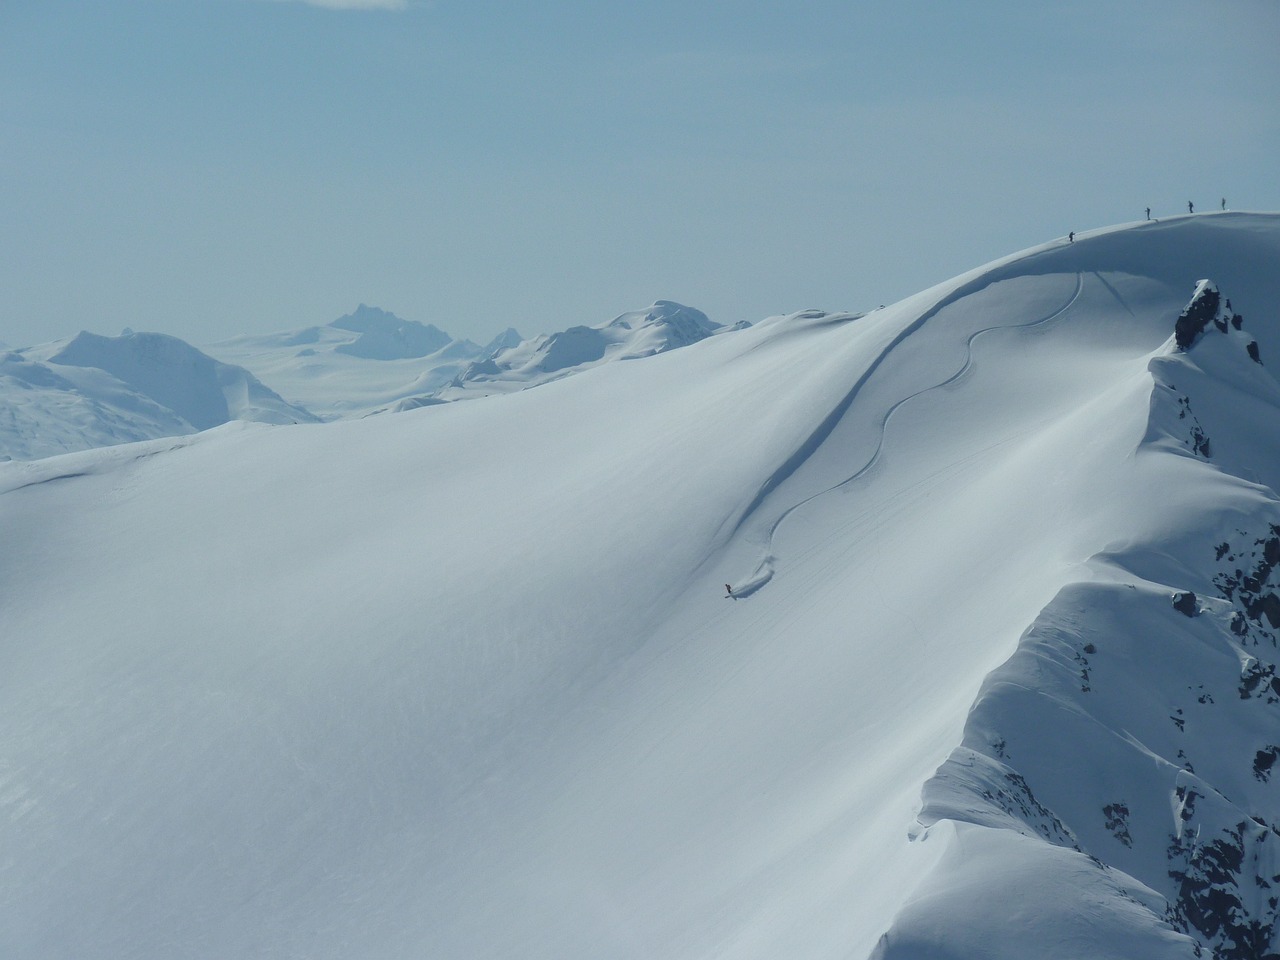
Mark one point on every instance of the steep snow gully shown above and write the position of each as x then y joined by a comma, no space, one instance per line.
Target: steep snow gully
462,681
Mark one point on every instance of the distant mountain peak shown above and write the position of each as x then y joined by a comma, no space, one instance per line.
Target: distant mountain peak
364,317
1208,310
384,336
507,339
201,390
665,325
690,325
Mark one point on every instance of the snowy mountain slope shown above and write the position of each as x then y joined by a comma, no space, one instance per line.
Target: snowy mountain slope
44,413
639,333
359,363
1130,726
94,391
371,689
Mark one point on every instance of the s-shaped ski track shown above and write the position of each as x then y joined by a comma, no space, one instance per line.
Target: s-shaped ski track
765,569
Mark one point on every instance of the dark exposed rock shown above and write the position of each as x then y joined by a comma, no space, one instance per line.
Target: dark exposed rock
1017,800
1216,894
1266,605
1196,316
1263,761
1200,443
1117,821
1197,439
1185,603
1251,589
1204,310
1259,679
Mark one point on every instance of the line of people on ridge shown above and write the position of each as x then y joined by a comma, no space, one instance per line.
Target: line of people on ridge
1191,208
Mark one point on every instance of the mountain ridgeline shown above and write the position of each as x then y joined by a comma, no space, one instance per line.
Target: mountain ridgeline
141,386
996,675
1136,723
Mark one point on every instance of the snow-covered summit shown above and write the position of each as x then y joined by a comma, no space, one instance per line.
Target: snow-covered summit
384,336
201,390
664,326
508,338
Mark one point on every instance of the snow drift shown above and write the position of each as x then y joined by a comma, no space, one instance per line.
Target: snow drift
465,681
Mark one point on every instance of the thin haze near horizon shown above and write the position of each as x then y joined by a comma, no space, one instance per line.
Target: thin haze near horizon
207,168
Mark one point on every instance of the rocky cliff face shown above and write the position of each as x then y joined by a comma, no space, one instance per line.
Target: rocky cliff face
1136,724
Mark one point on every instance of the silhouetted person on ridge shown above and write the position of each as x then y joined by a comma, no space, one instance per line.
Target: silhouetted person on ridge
1191,207
1071,237
1148,213
1224,203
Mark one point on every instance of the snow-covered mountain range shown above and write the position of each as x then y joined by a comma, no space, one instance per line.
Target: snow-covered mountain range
93,391
640,333
359,364
371,361
144,386
945,631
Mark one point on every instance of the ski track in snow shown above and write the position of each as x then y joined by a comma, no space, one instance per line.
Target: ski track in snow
18,475
765,569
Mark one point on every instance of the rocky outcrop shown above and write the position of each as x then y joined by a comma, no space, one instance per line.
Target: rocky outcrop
1197,315
1185,604
1206,310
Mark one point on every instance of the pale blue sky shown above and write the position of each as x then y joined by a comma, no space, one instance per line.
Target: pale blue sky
213,167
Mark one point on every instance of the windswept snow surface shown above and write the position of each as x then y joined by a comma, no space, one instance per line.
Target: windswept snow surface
377,689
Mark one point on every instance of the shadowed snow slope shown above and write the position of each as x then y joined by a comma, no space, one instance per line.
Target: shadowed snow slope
93,391
374,689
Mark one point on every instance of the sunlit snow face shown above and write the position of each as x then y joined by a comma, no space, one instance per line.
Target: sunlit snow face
463,680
